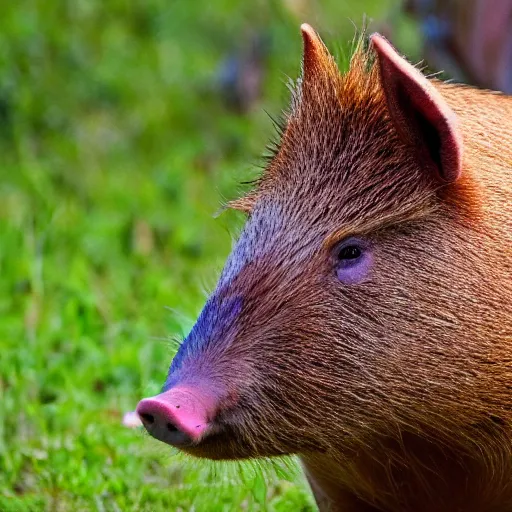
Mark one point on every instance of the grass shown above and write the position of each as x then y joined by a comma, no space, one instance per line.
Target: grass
115,151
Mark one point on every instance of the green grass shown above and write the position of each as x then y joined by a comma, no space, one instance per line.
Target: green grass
115,151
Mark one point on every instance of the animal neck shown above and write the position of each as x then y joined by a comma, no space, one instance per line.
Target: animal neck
408,474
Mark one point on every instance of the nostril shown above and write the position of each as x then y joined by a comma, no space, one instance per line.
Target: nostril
147,418
176,417
172,428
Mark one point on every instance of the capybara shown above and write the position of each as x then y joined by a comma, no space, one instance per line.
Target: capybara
364,318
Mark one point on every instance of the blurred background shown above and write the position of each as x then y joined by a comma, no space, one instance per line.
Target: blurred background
124,126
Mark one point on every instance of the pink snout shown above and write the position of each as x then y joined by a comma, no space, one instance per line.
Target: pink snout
178,417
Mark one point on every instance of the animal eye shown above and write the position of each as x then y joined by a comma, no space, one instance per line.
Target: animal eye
350,252
353,260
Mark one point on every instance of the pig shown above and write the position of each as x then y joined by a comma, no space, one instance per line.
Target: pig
363,320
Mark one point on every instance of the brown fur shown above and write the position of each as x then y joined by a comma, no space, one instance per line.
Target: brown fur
409,404
396,392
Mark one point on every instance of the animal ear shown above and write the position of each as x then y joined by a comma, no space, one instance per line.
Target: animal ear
317,63
419,113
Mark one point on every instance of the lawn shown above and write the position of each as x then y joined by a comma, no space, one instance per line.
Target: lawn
116,150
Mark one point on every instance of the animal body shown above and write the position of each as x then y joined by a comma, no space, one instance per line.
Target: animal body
364,318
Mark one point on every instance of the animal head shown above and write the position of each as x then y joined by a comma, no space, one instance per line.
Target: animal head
340,312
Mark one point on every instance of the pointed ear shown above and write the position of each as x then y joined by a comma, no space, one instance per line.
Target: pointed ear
317,62
419,113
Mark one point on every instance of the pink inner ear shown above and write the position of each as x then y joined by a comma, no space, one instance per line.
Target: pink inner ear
419,113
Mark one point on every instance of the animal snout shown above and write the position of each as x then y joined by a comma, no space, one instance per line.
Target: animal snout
177,417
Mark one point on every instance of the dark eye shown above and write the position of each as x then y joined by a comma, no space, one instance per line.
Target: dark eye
353,260
349,252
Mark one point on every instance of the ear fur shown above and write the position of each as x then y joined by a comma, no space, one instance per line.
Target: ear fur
420,114
318,66
315,54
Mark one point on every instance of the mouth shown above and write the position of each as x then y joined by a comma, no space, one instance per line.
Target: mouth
193,420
